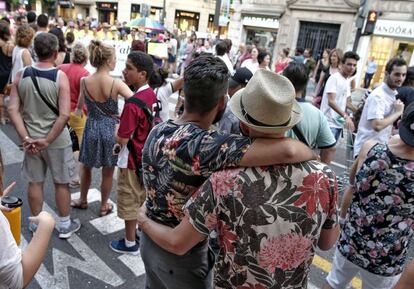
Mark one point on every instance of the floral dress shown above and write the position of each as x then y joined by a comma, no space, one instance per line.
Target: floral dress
380,224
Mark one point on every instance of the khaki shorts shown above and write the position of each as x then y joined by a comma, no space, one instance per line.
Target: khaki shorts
59,161
78,125
131,194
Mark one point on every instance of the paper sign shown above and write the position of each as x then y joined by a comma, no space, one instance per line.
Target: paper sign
158,49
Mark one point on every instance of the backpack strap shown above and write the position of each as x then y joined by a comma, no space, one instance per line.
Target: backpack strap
141,104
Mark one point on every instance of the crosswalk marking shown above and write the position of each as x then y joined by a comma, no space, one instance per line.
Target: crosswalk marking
134,263
326,266
14,154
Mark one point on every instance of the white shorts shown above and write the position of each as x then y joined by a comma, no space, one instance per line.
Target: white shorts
343,271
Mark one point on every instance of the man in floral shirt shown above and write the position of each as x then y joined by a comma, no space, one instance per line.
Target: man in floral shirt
269,219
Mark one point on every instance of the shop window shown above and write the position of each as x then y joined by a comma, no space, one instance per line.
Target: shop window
186,20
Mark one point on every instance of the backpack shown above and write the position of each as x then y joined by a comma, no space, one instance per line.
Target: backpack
153,116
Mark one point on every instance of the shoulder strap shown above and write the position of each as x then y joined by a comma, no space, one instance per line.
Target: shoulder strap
142,105
32,75
299,134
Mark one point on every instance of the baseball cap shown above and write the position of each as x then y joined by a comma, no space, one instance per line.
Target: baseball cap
406,129
240,77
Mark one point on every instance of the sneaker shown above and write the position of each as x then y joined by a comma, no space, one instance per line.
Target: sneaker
74,227
32,227
120,247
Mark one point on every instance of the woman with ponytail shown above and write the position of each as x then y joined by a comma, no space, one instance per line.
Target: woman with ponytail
164,89
100,91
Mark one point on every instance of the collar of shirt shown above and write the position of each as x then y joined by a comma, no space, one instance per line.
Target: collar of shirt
144,87
388,90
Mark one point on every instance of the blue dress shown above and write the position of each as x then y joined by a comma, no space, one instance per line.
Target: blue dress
99,134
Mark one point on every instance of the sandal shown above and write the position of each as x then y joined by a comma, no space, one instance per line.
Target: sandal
106,210
78,204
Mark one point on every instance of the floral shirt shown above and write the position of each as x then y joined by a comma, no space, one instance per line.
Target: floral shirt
380,224
268,222
176,161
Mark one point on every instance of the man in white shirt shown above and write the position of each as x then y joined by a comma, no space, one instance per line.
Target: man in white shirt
336,93
381,108
221,52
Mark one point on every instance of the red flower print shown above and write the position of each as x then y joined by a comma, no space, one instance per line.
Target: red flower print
195,167
315,187
224,182
211,221
173,207
286,252
226,237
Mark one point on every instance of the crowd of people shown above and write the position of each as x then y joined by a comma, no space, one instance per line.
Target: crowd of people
235,169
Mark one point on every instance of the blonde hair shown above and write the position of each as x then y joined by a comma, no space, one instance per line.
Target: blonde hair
100,53
79,53
24,36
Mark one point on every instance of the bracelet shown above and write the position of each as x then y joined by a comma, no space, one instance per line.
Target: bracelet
26,137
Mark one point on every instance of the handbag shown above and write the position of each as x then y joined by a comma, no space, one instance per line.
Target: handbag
72,133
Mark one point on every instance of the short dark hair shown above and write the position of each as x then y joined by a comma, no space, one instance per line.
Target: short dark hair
299,50
70,37
45,44
296,73
61,37
142,61
4,30
20,18
158,77
205,81
229,44
5,18
42,21
262,55
31,16
309,50
350,55
221,48
396,61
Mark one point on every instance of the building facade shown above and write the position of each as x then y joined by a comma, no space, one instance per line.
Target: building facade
393,36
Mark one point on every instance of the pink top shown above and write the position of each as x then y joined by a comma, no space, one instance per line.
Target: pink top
280,66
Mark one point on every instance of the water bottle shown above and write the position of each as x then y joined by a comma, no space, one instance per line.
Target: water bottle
14,216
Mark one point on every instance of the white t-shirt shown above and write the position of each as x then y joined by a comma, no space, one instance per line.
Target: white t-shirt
379,105
11,270
163,94
250,65
228,63
342,88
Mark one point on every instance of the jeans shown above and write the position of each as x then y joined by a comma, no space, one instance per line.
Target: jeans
336,132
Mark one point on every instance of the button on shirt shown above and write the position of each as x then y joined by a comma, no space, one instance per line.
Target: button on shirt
341,87
379,105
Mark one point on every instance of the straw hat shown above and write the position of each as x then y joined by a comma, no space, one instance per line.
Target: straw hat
267,103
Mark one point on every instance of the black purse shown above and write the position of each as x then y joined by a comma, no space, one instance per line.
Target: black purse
72,132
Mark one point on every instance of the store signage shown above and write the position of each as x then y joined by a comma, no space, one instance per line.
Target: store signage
393,28
264,22
106,5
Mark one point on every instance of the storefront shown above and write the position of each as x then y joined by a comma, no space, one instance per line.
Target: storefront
186,20
260,30
135,11
66,9
107,12
390,39
3,6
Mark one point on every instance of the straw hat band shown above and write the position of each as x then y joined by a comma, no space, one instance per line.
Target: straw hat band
254,121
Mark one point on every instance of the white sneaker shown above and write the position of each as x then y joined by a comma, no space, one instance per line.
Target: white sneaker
65,233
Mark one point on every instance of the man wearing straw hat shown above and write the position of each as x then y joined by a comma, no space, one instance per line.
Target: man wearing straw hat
270,219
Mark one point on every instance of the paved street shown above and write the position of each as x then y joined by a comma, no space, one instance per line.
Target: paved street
85,260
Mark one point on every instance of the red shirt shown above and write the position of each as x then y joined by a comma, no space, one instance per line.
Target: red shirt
74,72
133,120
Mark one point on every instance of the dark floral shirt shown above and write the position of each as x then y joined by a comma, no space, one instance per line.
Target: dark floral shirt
268,222
176,161
380,224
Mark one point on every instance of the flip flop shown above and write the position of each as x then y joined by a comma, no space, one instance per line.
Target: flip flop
106,210
78,204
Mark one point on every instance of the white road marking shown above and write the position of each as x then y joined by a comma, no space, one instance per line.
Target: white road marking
134,263
90,264
339,165
311,286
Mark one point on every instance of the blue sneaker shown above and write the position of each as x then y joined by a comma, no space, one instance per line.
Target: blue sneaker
120,247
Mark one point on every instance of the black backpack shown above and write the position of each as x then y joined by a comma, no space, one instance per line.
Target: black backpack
153,116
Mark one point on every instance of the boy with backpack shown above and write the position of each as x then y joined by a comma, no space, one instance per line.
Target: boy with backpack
140,113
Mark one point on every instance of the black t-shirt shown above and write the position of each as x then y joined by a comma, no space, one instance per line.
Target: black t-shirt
406,95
